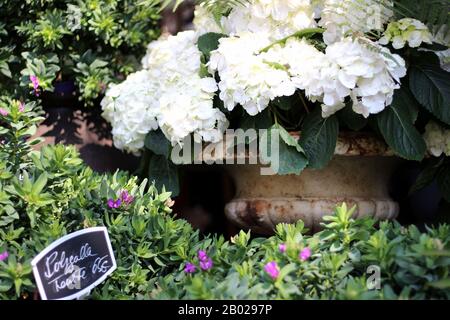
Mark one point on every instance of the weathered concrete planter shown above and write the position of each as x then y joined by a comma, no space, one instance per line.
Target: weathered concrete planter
358,175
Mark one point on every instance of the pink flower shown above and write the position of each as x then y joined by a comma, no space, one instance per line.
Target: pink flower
35,81
21,107
114,203
190,268
126,197
206,264
4,112
272,269
282,248
305,254
202,255
4,255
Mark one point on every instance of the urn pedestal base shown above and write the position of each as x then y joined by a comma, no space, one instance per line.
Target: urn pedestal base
358,174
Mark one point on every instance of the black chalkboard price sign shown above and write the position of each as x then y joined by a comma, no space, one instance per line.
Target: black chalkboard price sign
71,266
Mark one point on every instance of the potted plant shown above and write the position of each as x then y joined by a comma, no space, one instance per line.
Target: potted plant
359,88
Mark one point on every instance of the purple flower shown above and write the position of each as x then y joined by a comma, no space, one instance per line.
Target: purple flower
35,81
4,255
202,255
4,112
114,203
206,264
305,254
282,248
21,107
126,197
190,268
272,269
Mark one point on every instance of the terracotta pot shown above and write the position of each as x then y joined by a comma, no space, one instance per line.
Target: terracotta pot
358,174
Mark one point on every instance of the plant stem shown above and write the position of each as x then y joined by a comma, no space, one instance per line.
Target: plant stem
304,103
305,33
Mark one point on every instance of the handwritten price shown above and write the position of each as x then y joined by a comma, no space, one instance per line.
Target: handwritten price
100,265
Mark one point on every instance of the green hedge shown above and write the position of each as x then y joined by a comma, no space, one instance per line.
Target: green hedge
92,42
45,195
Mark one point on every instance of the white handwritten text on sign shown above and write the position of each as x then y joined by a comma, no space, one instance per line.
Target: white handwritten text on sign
71,266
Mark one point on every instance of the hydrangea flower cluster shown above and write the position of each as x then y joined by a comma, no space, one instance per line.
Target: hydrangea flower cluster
247,78
168,94
260,59
406,31
130,108
204,22
366,72
170,77
354,68
278,18
340,17
437,139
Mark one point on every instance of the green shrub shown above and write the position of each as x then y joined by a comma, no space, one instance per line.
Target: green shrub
58,195
412,265
93,42
47,194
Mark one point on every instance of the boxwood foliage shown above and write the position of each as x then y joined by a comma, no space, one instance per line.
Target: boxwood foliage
351,259
47,194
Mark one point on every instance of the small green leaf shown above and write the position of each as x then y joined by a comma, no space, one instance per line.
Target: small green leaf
4,69
352,119
291,158
427,175
430,84
157,142
284,103
318,138
39,184
440,284
262,120
209,42
288,138
396,126
164,173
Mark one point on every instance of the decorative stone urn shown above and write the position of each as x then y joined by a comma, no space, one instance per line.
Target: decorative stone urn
358,174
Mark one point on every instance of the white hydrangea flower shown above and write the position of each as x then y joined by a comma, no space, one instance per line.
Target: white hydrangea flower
278,18
340,17
437,139
189,109
406,31
359,69
370,72
168,93
318,8
173,58
247,76
131,109
313,72
204,21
